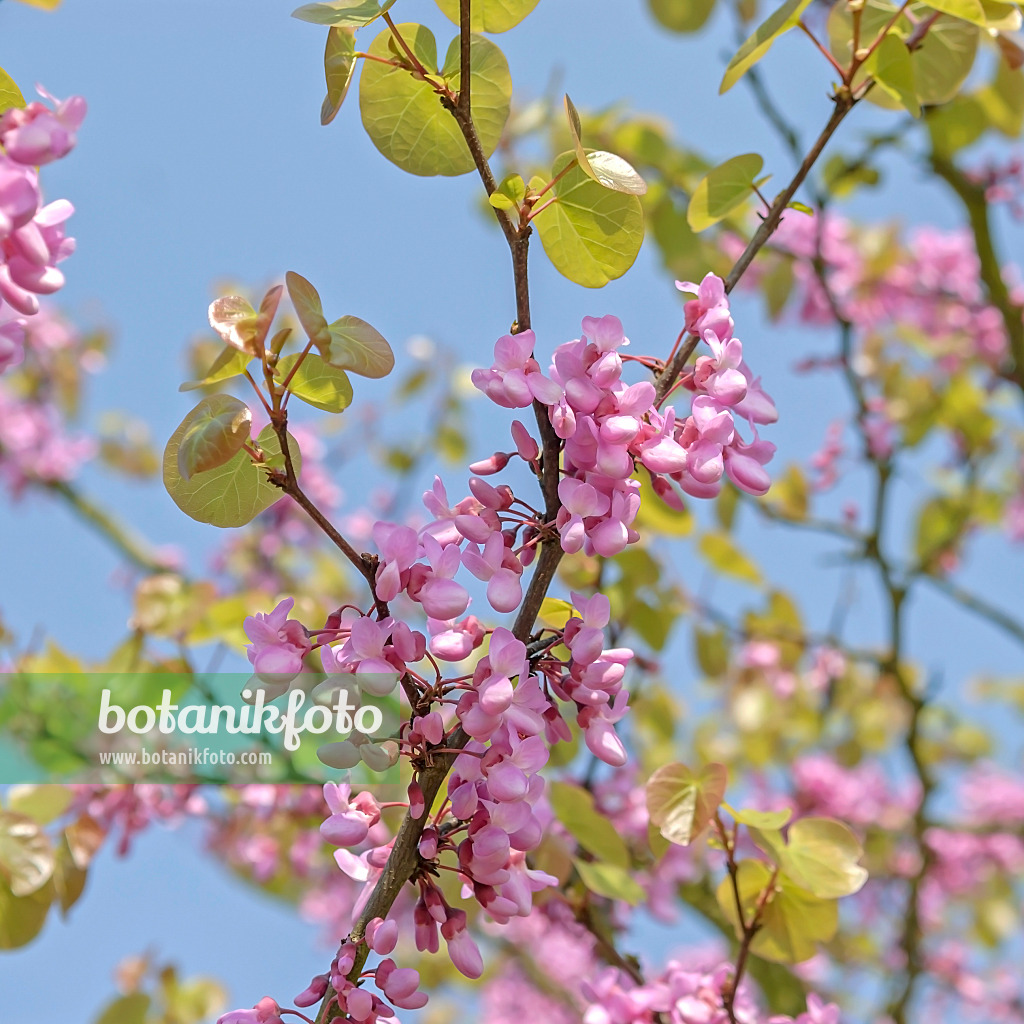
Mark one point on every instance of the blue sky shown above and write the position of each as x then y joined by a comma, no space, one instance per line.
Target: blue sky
202,159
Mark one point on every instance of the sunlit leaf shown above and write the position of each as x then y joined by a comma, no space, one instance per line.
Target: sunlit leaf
232,494
780,21
230,363
793,920
315,382
725,558
214,431
605,168
893,71
41,803
822,855
941,63
490,15
966,10
356,346
403,114
22,917
342,13
554,613
234,319
1002,17
610,881
759,819
308,308
339,66
682,803
591,234
593,831
722,190
10,94
26,853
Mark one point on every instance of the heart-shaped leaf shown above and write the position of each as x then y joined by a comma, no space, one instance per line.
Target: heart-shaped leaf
605,168
230,363
343,13
756,46
722,190
232,494
591,234
214,431
822,855
234,319
490,15
316,383
308,308
682,803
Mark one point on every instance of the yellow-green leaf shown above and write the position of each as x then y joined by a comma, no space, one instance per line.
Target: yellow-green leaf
574,808
355,345
822,855
780,21
22,917
403,114
591,234
10,94
41,803
308,308
682,803
130,1009
722,190
611,881
726,558
893,71
343,13
759,819
605,168
214,431
315,382
232,494
230,363
490,15
681,15
339,66
966,10
26,854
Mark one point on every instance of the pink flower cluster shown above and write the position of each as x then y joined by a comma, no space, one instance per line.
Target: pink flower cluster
609,427
32,239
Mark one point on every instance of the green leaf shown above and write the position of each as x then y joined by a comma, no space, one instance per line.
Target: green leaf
554,613
682,803
610,881
793,920
724,557
1003,101
214,431
657,517
403,114
10,94
355,345
941,62
509,194
68,878
605,168
41,803
1001,16
893,71
230,363
130,1009
342,13
711,647
339,66
780,21
308,308
759,819
591,234
22,917
574,808
26,854
966,10
490,15
315,382
723,189
822,855
232,494
681,15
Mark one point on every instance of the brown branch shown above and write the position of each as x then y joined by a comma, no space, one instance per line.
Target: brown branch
844,103
972,195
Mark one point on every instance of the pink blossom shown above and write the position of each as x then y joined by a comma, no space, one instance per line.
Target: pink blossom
278,643
37,135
